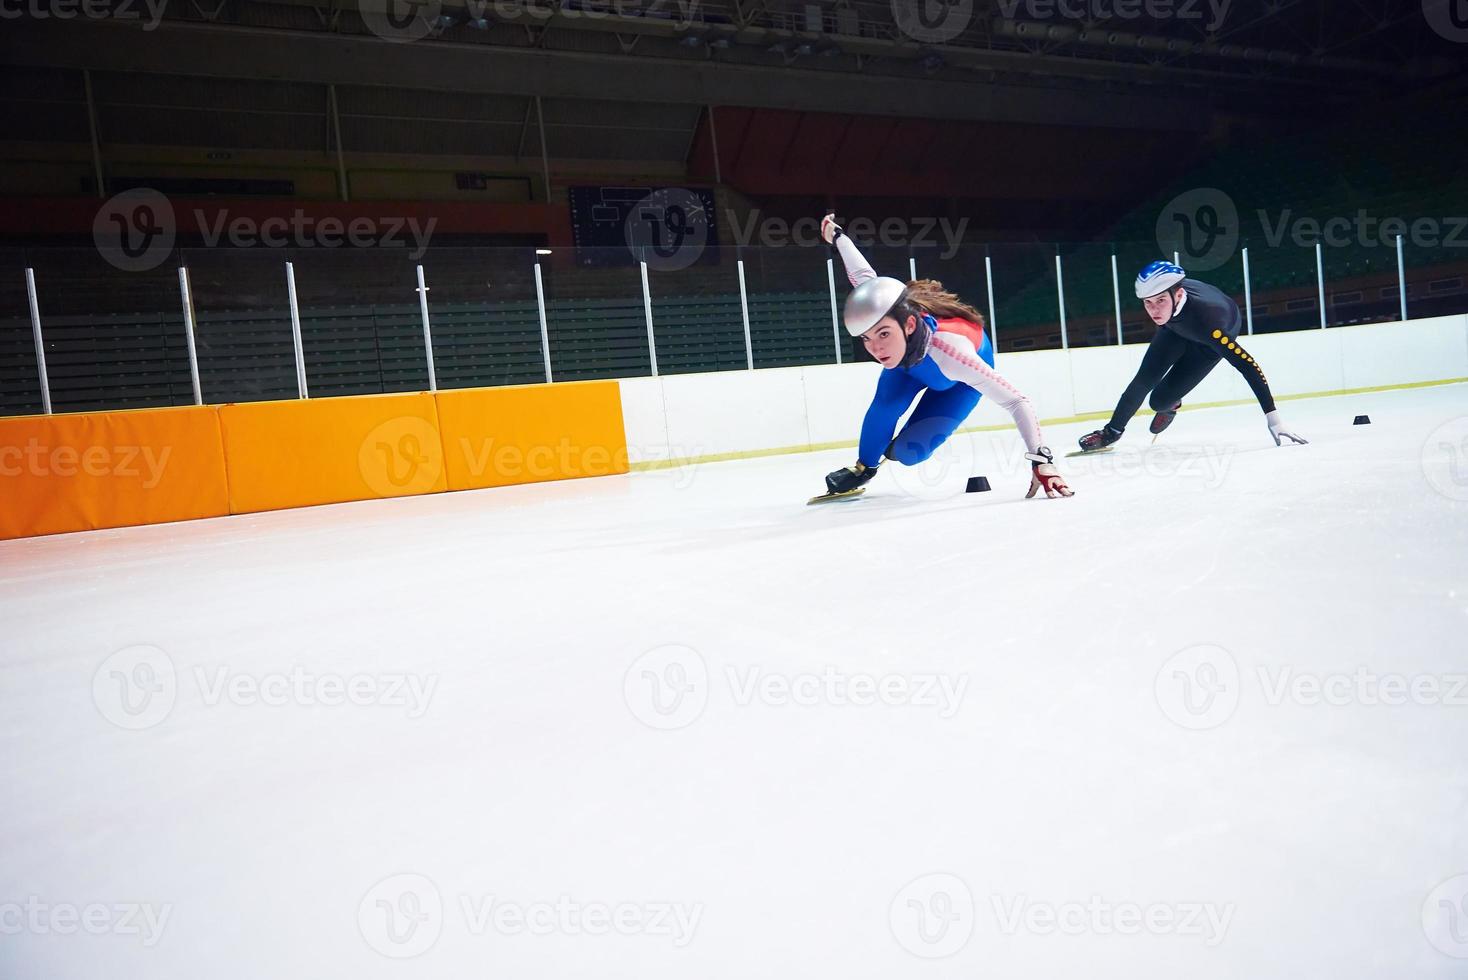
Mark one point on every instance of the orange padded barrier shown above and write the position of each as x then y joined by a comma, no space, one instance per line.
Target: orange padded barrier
494,437
109,469
330,450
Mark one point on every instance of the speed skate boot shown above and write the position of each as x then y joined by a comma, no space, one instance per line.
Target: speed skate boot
1162,420
1099,439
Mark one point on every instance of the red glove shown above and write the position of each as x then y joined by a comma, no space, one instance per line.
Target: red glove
1045,476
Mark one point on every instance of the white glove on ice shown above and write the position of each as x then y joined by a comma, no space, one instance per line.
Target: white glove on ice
1280,433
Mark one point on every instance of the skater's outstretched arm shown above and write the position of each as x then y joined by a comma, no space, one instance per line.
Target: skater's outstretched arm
956,358
1245,364
858,269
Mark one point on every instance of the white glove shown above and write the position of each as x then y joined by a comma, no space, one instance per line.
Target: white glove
1280,433
830,230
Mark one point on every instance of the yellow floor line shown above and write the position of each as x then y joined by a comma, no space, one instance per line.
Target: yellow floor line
668,464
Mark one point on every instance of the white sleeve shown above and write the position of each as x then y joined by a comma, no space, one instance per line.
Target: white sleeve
956,358
858,269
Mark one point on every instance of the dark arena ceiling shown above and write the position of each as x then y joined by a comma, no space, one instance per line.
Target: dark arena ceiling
1137,64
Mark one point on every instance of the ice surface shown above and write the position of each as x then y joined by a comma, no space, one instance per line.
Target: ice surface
629,727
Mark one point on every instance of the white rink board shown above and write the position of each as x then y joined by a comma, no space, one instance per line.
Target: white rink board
746,412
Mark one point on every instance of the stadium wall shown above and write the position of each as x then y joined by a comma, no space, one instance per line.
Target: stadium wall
96,470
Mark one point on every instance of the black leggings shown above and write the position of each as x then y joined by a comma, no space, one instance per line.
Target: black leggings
1172,367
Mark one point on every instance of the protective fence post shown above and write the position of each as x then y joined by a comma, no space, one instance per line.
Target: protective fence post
1116,293
427,331
1402,276
186,294
1320,279
835,320
1060,293
652,346
744,312
302,389
1248,294
544,327
993,321
30,289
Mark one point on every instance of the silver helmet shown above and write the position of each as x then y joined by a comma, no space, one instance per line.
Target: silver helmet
871,301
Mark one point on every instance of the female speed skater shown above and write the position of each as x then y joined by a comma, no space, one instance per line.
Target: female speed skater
1199,327
929,342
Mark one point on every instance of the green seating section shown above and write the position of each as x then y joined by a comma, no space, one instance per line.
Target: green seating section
1408,169
141,360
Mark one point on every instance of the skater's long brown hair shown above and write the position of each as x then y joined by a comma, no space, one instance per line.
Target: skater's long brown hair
930,296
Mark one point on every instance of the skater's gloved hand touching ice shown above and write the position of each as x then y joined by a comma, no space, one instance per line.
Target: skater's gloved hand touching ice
1280,432
1045,476
848,479
830,230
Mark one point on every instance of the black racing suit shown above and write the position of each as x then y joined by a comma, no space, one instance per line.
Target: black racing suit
1186,349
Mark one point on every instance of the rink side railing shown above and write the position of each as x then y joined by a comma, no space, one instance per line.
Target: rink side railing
1066,313
82,471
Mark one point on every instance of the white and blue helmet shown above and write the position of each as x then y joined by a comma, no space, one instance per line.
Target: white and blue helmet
1158,278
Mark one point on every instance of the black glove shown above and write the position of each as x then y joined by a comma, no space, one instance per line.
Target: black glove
848,479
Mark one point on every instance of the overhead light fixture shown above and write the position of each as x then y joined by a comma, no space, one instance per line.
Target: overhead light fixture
480,23
542,251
